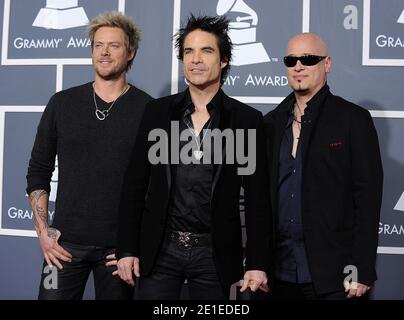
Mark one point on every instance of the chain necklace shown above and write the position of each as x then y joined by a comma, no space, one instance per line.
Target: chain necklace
198,154
299,123
102,114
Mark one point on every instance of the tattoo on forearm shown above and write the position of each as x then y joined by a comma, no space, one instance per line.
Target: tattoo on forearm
40,213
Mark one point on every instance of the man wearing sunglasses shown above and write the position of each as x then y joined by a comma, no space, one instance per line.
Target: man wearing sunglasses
326,184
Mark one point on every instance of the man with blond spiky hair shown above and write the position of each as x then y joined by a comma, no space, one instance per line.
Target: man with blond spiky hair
91,128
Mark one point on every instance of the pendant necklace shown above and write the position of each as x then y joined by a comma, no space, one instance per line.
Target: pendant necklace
102,114
198,153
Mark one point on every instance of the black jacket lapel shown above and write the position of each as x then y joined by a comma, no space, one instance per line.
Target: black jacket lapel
226,121
174,115
276,135
310,119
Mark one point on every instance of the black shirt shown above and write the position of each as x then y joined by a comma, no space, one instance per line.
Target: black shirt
92,159
189,207
291,260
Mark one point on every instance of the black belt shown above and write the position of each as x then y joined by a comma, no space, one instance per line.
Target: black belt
189,239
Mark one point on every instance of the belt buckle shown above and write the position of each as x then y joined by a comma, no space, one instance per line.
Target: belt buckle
184,239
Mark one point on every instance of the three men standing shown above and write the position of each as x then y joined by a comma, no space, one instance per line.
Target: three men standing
180,220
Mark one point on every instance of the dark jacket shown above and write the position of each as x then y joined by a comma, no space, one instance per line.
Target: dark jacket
146,194
341,186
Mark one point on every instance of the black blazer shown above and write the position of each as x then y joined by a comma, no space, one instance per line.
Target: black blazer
341,186
146,191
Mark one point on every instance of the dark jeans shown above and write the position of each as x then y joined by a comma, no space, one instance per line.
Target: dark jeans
176,263
71,280
283,290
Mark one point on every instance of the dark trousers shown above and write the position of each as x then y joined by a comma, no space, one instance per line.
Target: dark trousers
70,282
283,290
177,263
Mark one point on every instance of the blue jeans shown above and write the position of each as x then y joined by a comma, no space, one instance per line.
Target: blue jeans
72,279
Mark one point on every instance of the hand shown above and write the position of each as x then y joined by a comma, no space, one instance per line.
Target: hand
355,289
52,251
111,261
255,279
127,267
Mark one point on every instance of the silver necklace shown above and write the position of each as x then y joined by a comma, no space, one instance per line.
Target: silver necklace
101,115
299,123
198,154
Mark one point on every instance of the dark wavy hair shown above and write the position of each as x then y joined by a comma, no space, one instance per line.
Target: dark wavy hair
219,27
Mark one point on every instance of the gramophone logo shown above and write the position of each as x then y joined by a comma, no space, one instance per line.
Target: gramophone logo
400,203
401,18
61,14
243,33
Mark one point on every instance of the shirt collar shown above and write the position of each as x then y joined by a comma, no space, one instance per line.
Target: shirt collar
215,104
315,102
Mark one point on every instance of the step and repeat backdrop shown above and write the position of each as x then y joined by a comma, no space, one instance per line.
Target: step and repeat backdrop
40,56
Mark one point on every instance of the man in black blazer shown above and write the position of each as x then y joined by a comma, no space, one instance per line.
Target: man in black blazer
326,183
180,219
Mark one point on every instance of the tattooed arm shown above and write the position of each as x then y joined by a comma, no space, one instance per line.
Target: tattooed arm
39,205
47,236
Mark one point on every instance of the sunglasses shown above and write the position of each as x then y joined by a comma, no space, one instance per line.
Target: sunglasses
306,60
